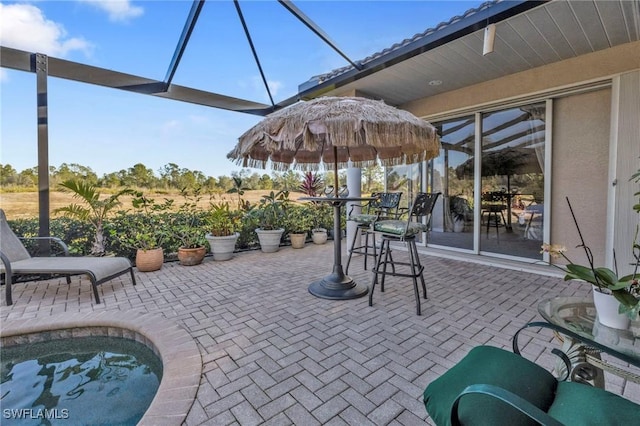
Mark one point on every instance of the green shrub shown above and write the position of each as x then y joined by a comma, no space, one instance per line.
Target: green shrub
76,234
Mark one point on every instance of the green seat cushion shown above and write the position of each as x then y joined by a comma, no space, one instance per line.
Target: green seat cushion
579,404
363,219
398,227
493,366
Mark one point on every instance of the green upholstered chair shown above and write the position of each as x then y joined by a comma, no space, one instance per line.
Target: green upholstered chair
492,386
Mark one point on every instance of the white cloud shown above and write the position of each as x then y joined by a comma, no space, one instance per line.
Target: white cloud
170,127
4,77
274,87
117,10
25,27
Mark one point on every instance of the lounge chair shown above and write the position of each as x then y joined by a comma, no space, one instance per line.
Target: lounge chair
18,263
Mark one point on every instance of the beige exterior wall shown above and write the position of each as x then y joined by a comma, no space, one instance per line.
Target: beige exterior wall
600,65
581,138
580,163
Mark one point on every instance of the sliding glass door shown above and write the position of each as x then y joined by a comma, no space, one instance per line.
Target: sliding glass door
506,216
451,173
512,181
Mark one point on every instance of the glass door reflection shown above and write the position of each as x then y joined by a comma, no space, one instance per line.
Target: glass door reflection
453,224
512,181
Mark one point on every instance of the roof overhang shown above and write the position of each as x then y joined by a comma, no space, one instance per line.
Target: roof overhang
529,34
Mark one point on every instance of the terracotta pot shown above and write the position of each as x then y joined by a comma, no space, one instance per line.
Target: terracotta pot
297,240
149,260
191,256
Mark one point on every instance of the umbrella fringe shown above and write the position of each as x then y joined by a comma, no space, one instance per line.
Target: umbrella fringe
302,136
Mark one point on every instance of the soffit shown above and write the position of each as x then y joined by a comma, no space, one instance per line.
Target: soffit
555,31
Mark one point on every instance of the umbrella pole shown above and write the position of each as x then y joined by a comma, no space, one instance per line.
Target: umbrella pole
337,285
337,232
335,171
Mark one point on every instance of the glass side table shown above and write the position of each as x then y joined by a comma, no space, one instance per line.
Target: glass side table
583,338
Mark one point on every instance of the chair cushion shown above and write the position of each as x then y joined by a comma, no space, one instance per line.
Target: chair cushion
580,404
100,267
363,219
493,366
398,227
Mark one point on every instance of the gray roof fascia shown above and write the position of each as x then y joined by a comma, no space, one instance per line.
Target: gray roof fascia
456,29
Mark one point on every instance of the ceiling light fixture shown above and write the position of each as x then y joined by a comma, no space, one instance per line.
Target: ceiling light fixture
435,82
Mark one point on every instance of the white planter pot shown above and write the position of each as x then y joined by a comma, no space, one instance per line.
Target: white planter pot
222,247
269,239
458,225
319,236
297,240
607,308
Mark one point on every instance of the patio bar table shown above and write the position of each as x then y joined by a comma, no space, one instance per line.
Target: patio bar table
337,285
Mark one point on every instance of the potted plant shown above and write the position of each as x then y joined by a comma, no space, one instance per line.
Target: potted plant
460,211
222,236
270,213
298,223
322,217
311,185
145,232
186,227
609,290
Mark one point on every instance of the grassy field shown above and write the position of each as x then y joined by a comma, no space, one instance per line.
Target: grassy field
20,205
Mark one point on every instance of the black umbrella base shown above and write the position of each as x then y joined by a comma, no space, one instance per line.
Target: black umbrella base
337,287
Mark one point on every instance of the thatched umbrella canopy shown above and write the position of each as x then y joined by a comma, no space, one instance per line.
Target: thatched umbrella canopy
505,162
334,130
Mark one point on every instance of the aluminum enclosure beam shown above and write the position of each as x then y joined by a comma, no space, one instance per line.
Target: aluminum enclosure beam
21,60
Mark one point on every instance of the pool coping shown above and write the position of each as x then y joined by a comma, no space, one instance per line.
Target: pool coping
181,358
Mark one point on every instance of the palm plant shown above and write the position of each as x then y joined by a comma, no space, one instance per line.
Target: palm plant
94,209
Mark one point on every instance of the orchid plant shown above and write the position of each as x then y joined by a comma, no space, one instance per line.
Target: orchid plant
625,289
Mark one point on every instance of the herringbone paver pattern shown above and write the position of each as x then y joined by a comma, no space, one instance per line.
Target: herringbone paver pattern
274,354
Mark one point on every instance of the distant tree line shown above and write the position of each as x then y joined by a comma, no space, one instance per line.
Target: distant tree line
172,177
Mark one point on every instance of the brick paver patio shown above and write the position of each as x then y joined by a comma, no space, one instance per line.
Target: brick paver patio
274,354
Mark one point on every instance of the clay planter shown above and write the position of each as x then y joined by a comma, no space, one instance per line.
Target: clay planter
298,240
191,256
149,260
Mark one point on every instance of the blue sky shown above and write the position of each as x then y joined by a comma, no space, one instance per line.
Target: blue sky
110,130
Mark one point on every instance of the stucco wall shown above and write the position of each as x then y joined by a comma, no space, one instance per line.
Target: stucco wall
580,161
598,65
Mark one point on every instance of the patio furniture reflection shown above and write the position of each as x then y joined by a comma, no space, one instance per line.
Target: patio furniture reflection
492,205
533,217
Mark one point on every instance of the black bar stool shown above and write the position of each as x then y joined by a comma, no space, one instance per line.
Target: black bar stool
385,206
404,230
492,205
